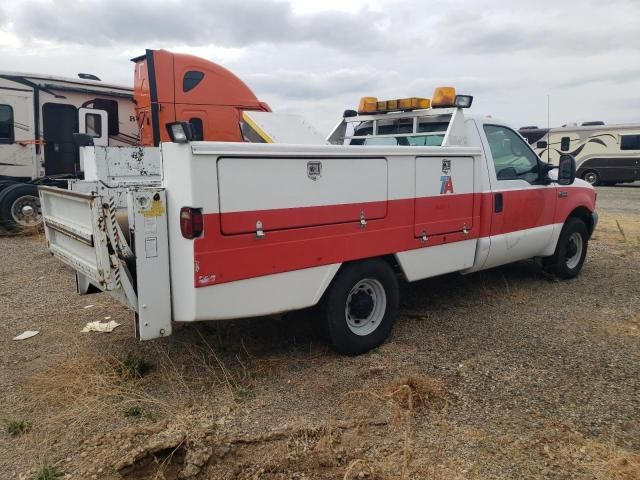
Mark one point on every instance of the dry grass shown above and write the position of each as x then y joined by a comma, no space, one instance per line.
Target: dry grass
601,460
618,229
403,397
611,462
110,389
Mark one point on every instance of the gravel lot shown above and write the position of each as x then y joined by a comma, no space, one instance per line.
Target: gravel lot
501,374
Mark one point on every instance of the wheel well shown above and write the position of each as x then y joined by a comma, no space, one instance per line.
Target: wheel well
584,214
390,259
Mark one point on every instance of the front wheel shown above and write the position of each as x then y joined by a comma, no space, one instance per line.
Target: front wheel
360,306
571,250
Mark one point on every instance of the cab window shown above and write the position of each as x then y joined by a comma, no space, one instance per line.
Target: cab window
512,157
395,141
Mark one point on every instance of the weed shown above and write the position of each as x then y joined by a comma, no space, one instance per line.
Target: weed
17,427
47,472
136,411
241,394
134,366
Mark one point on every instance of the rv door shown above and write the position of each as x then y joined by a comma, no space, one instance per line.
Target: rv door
95,124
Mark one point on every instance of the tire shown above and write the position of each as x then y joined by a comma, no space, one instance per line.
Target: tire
592,177
20,207
360,306
571,250
6,183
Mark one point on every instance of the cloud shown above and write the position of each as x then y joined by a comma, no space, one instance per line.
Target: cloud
305,85
226,23
616,77
318,58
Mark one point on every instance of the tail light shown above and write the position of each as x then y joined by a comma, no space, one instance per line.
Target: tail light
191,222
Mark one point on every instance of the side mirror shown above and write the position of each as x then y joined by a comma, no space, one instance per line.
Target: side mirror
566,169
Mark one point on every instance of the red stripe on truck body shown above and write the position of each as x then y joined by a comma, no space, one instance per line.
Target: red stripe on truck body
222,258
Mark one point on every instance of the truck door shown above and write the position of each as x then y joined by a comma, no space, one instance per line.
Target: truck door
94,123
523,207
17,134
60,122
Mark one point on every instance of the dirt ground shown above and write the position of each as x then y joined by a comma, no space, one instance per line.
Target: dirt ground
500,374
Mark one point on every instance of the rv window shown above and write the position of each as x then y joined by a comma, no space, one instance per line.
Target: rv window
111,107
565,144
541,144
6,124
93,125
629,142
197,128
191,79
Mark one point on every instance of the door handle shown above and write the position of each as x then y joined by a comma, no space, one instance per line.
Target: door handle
497,203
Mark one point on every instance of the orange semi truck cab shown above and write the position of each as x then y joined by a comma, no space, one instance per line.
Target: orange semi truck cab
175,87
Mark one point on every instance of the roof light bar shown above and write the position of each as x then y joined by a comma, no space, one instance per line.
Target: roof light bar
372,105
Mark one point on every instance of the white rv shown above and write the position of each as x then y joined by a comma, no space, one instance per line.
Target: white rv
605,154
38,116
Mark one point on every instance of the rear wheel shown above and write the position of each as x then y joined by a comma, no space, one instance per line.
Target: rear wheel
571,250
20,207
591,177
360,306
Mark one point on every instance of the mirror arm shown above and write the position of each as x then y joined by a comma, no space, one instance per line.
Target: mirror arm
545,168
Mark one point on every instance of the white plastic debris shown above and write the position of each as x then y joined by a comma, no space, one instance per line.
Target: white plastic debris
27,334
99,326
87,306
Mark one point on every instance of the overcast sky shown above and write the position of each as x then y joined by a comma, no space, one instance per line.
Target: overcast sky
318,58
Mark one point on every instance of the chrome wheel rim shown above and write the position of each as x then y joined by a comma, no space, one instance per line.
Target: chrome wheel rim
26,211
591,178
365,307
574,250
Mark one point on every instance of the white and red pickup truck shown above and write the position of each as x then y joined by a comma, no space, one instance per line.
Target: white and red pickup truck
409,189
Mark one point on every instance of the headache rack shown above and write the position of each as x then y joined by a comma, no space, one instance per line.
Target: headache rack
447,130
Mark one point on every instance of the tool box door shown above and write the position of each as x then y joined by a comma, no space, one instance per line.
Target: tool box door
444,195
287,193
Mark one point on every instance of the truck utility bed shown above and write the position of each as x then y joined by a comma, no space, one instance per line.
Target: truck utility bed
236,230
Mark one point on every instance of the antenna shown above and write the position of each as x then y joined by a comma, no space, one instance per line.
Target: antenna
548,129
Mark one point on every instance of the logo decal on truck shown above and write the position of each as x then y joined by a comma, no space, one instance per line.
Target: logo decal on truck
446,182
314,170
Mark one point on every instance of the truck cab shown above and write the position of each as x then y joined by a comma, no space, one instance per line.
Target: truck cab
170,87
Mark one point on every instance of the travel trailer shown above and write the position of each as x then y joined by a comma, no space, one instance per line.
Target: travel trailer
605,154
39,115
